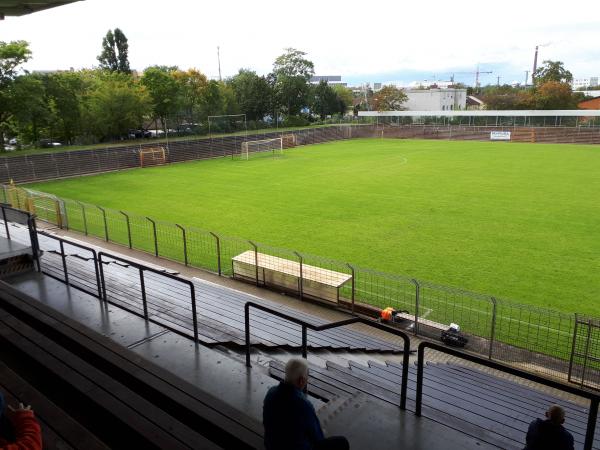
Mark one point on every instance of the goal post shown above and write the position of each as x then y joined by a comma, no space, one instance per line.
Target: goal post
219,126
275,146
152,156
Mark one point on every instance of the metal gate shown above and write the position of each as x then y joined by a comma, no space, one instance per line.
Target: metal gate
584,364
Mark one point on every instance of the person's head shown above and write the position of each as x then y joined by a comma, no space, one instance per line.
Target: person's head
556,415
296,372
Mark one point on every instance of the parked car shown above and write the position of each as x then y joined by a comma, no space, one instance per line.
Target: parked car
156,133
49,143
139,134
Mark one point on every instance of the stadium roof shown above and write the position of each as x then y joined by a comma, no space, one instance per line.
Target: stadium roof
22,7
487,113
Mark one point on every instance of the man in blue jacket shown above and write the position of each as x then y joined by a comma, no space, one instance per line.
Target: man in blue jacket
549,434
289,417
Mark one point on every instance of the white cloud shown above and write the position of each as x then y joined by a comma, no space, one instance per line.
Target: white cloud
352,38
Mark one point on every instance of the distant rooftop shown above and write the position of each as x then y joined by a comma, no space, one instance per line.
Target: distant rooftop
327,78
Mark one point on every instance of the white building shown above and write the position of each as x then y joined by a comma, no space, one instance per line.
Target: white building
435,99
579,83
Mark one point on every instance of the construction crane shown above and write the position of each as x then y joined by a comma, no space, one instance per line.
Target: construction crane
476,73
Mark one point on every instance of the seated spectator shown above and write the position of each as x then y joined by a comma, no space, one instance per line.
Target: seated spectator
289,417
25,434
549,434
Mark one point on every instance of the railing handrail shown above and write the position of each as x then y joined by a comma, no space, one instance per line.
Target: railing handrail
144,268
31,227
571,389
93,251
307,325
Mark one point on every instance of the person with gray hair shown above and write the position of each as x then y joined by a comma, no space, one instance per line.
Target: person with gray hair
289,417
549,434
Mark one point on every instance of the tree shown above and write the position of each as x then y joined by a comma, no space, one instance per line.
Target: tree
389,98
164,91
507,97
292,72
114,105
12,55
65,92
30,108
293,64
345,98
554,95
324,100
192,87
252,93
115,49
552,71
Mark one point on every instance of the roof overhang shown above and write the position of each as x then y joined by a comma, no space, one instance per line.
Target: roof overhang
22,7
487,113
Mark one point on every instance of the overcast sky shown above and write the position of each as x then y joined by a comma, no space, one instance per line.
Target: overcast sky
360,40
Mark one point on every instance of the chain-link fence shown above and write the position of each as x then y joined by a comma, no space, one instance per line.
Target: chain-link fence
551,342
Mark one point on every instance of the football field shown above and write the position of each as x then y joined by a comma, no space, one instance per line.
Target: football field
518,221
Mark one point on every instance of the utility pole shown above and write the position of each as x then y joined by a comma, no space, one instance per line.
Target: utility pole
526,77
498,83
219,59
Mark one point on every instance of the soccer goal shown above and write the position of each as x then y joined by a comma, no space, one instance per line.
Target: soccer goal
275,146
152,156
288,140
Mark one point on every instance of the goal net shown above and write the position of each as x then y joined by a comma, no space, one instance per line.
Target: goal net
288,140
275,146
153,156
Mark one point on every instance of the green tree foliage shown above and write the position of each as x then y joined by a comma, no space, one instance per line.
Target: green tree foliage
552,71
192,87
324,100
30,108
389,98
345,97
114,105
12,55
65,93
507,97
291,73
115,52
253,94
164,91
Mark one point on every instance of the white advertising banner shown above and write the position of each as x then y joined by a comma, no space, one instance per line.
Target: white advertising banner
500,135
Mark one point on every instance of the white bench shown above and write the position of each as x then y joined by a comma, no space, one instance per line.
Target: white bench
426,322
316,282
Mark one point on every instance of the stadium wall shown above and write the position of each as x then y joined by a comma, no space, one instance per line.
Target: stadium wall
47,166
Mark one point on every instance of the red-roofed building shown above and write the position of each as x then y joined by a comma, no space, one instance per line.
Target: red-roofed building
590,104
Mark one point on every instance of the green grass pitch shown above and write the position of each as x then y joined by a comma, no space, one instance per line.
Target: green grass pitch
518,221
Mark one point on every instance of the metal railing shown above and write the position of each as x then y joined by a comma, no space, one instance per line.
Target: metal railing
571,389
308,326
141,270
10,214
64,255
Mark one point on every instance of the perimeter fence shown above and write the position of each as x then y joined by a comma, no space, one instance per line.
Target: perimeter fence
565,346
62,164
